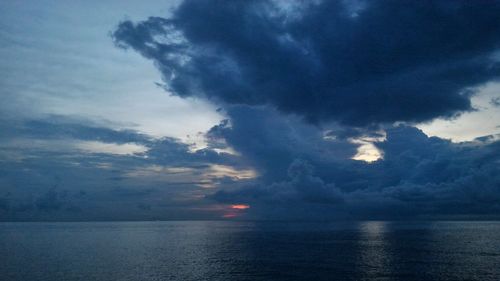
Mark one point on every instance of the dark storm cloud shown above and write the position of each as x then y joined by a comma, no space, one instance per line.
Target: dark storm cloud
459,177
302,186
375,62
419,176
270,141
362,66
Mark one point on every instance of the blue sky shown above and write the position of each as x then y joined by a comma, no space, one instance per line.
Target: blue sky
181,109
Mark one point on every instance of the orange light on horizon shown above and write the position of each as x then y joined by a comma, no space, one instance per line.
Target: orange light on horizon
230,215
240,206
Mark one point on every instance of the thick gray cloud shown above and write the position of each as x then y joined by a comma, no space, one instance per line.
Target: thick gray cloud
270,141
349,69
420,176
381,61
302,186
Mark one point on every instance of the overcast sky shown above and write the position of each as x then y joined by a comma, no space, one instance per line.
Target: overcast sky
129,110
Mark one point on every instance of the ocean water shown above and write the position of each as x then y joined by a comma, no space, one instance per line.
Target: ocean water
221,250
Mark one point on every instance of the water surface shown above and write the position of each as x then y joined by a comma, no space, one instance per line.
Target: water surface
208,250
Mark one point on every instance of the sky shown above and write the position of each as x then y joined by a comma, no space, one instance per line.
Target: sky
259,110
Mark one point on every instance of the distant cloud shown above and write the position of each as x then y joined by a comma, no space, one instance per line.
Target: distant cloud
61,180
60,127
50,201
495,101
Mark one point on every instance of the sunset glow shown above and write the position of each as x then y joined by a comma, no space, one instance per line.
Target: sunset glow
240,206
231,215
235,210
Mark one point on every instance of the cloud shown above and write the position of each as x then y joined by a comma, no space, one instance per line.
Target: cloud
270,141
365,64
419,176
300,84
302,186
423,175
495,101
282,167
64,127
55,182
51,200
4,204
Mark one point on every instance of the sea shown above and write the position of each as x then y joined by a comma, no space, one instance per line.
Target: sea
243,250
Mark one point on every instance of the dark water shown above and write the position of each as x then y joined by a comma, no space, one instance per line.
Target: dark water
250,251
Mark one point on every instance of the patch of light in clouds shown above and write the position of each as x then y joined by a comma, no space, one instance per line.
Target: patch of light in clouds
366,150
110,148
484,121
